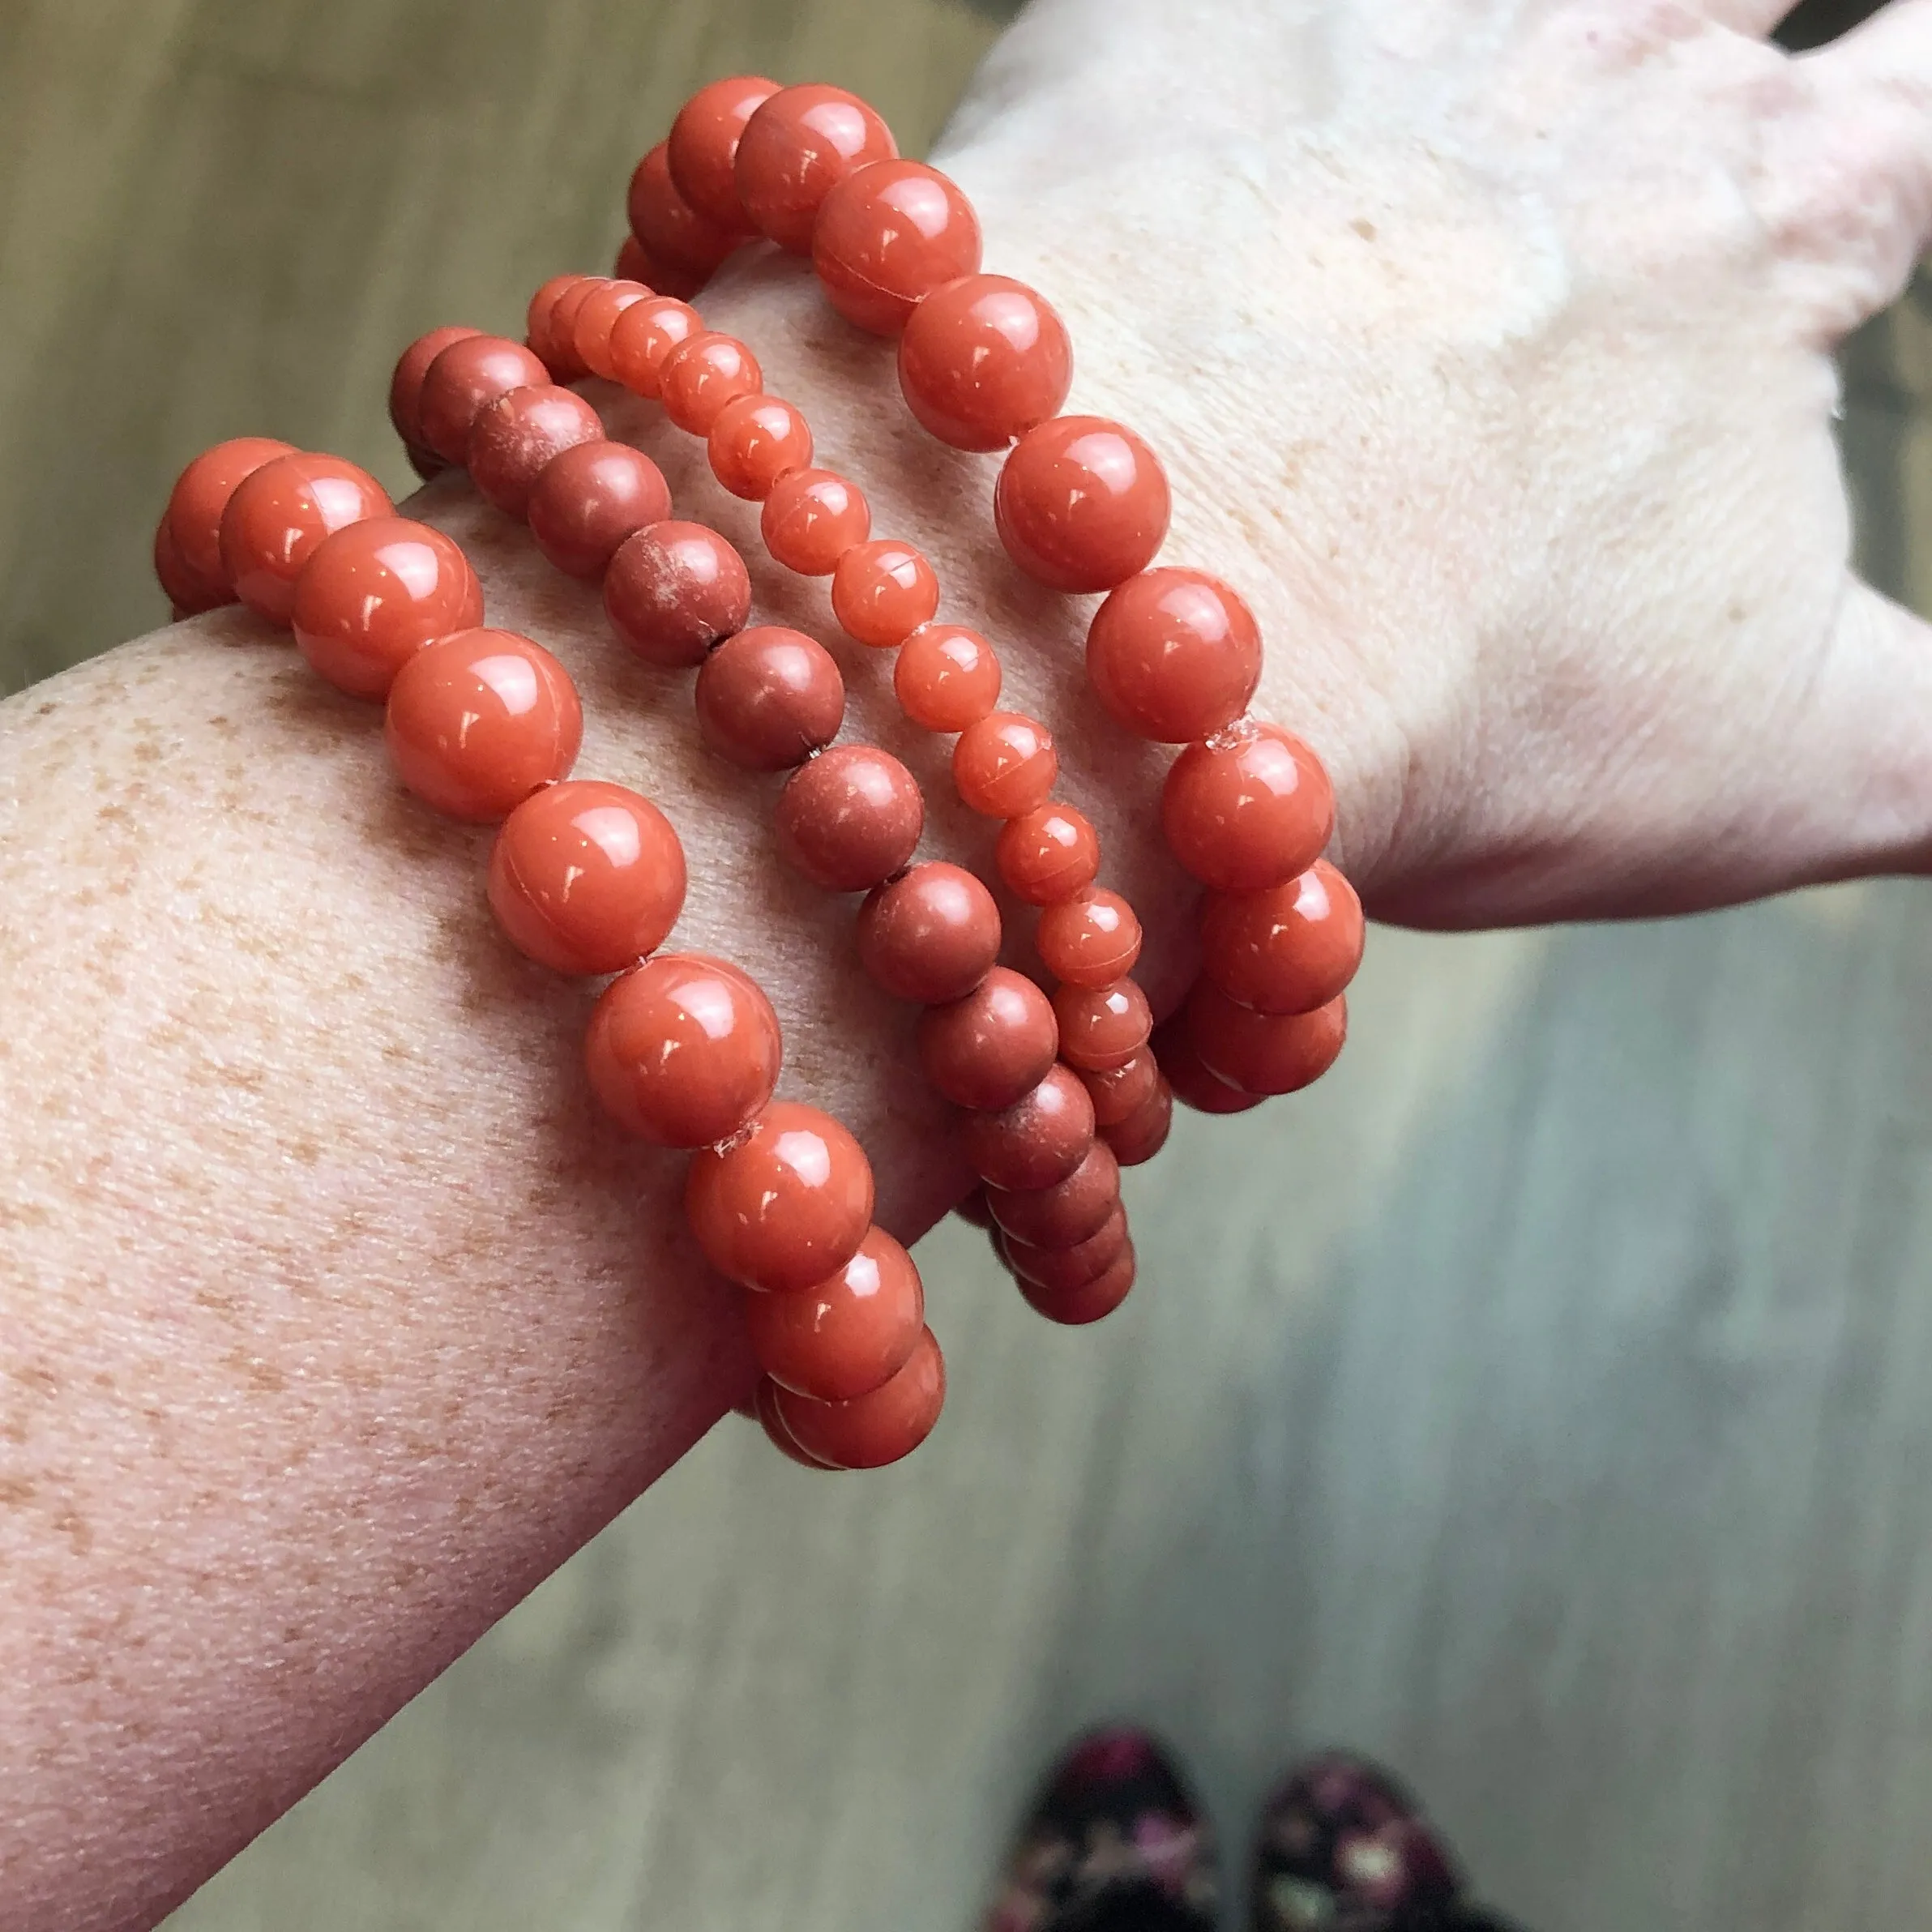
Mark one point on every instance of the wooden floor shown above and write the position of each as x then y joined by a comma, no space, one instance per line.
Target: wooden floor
1560,1428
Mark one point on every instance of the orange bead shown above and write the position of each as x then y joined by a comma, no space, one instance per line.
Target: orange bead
847,1335
1070,1211
1249,809
1287,949
882,592
768,697
1088,940
592,498
1102,1028
701,375
1048,854
675,590
764,1408
668,226
277,516
930,936
1081,503
849,817
754,441
873,1430
597,316
538,319
702,147
1264,1053
1038,1140
644,335
1194,1086
1092,1301
1140,1137
187,593
811,519
586,878
200,497
462,381
515,438
1064,1269
786,1204
373,594
1005,766
1174,655
1120,1092
888,235
634,265
683,1051
478,721
564,360
795,148
946,678
987,1050
984,360
405,386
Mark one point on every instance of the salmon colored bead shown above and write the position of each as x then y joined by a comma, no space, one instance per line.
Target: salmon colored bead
1070,1211
634,265
478,721
812,518
565,360
1102,1028
1048,854
188,594
538,317
586,878
702,146
1063,1269
764,1406
1092,1301
1118,1092
1264,1053
930,936
784,1205
887,236
768,697
597,315
1287,949
701,375
277,516
373,594
1005,765
1081,503
668,226
755,440
405,385
684,1051
591,498
463,380
946,678
795,148
1090,939
984,360
1194,1086
1140,1137
644,335
1174,655
515,438
987,1050
850,818
674,591
873,1430
882,592
847,1335
1041,1139
200,498
1249,809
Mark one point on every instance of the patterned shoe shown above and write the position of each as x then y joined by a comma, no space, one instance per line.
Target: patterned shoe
1115,1844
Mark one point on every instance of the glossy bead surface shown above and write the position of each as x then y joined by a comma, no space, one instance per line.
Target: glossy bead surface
987,1049
1102,1028
1174,655
373,594
754,441
684,1051
538,320
882,592
668,226
703,145
201,495
764,1408
847,1335
1193,1085
1123,1090
586,878
768,697
930,936
888,235
644,335
1264,1053
783,1206
701,375
812,518
277,516
984,360
463,380
478,721
1248,810
1144,1133
1068,1213
1082,503
1038,1140
405,385
946,678
1065,1268
795,149
849,817
873,1430
1092,1301
1287,949
515,438
1048,854
1005,765
592,498
597,315
187,593
564,360
1089,939
673,591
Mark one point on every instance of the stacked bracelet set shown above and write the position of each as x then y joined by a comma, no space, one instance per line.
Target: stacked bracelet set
589,877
